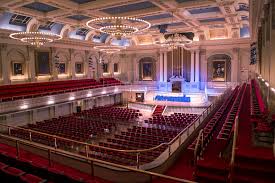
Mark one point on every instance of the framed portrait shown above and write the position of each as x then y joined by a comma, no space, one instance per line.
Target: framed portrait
78,68
219,71
147,70
105,68
115,67
42,62
62,68
17,68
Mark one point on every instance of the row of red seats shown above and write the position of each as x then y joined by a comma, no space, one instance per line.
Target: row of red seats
175,120
12,174
68,127
258,106
38,168
212,125
19,91
228,126
109,81
111,113
118,157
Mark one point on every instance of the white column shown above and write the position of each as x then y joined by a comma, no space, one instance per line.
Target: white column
5,65
55,71
31,64
165,67
197,68
72,64
181,58
192,67
86,65
161,67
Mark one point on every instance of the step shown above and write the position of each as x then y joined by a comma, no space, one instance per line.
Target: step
209,177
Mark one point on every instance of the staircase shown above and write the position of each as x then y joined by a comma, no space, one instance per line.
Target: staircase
254,168
158,110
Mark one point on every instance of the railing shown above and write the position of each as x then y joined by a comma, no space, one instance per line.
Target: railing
90,161
232,161
172,145
199,146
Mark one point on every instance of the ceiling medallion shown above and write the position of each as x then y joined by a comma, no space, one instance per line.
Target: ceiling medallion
36,38
109,49
175,40
118,26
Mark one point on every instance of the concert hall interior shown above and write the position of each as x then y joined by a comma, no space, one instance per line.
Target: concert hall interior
137,91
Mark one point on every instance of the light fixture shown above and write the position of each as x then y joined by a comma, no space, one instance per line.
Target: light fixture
24,106
71,98
89,94
175,40
109,49
35,38
118,26
50,102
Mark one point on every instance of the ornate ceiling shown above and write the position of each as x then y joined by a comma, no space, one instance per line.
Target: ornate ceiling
207,19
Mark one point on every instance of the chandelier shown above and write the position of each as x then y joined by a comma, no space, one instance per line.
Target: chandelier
175,40
35,38
109,49
118,26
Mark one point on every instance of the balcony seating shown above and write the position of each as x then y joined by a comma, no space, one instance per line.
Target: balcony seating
22,91
228,126
258,106
37,169
211,127
110,81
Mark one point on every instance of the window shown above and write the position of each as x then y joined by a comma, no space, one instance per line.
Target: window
115,67
78,68
105,68
62,68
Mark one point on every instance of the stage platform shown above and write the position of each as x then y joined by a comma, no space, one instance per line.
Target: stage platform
198,99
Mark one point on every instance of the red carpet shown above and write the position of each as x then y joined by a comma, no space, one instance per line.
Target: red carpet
183,168
253,164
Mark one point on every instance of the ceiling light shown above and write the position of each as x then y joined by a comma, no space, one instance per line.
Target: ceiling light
175,40
118,26
35,38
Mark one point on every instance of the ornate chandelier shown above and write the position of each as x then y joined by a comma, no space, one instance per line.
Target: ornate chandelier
175,40
36,38
118,26
109,49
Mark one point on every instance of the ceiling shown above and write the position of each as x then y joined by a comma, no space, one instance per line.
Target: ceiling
207,19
